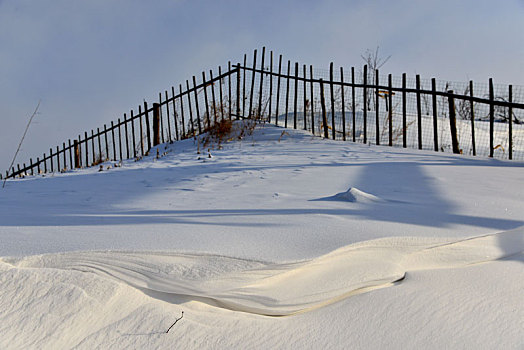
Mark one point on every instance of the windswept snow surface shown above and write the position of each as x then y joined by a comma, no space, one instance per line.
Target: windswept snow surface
278,240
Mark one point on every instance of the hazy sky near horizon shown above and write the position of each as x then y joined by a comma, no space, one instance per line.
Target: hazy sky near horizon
88,62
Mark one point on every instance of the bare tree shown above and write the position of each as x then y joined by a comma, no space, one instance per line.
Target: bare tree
373,59
374,62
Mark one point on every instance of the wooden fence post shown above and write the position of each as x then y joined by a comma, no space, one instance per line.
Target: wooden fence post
57,159
270,86
77,155
93,157
127,136
332,96
113,139
365,107
252,84
156,124
287,91
353,105
161,119
343,104
167,116
87,150
259,112
175,114
419,112
472,109
453,122
404,112
63,154
120,138
214,105
491,116
435,114
221,98
105,139
141,128
182,118
311,93
510,100
191,109
377,107
132,120
70,157
238,92
244,88
230,96
196,105
50,159
304,88
148,129
323,104
208,115
278,88
390,110
295,97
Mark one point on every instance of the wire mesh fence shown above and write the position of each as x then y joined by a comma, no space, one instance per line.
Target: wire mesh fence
359,105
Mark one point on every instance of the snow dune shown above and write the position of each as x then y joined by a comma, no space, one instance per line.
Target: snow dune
283,289
350,246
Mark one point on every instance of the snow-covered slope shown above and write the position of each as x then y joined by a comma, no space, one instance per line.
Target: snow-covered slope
352,246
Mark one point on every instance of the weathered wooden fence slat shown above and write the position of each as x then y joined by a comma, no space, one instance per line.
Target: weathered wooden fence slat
263,104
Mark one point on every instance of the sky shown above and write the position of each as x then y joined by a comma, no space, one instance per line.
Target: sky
88,62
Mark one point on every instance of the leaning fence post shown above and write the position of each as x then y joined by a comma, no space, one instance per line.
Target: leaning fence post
453,122
156,124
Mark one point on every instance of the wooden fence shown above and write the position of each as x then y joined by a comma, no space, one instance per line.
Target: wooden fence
360,106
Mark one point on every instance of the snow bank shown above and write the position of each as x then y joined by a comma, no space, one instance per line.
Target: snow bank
423,250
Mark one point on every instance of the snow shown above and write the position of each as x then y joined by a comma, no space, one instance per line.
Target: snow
278,240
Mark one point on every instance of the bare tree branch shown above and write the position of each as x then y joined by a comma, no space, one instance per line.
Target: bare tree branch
22,140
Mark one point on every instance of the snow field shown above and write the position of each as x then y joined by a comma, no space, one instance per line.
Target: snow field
350,246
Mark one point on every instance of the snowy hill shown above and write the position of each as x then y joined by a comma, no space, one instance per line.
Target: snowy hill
351,246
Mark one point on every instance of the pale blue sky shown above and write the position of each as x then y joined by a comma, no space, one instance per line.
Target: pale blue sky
91,61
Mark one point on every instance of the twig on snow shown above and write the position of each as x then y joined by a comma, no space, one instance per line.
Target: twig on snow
178,319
